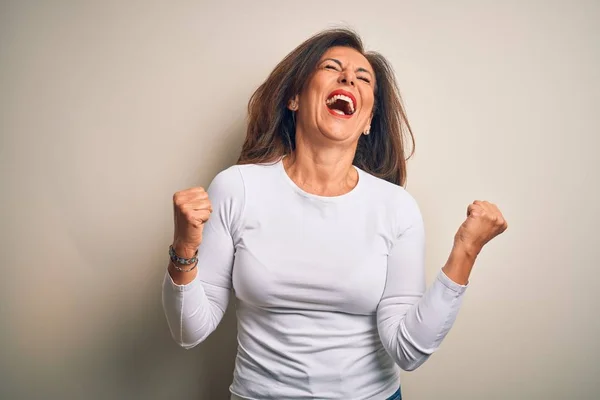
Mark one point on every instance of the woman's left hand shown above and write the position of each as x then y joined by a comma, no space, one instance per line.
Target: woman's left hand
484,222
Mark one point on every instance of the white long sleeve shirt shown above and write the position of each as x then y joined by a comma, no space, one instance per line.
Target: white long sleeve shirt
330,291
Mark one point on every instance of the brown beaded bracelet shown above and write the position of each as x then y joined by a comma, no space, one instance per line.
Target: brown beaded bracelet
175,259
178,268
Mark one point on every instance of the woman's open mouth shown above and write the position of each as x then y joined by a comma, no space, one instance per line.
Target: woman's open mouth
341,103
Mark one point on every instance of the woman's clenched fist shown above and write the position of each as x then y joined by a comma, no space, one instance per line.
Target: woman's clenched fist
484,222
191,209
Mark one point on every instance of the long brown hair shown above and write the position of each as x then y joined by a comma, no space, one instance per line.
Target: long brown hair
271,125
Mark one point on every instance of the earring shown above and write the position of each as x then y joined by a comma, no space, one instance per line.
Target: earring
293,105
367,131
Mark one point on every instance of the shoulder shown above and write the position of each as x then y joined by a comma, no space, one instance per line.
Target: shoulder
399,204
387,192
227,182
230,189
234,180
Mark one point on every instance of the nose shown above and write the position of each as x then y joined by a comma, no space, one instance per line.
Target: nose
347,78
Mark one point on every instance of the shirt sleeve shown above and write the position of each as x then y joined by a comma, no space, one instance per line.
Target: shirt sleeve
411,320
194,310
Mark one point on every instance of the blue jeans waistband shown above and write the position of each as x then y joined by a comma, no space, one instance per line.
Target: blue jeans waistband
395,396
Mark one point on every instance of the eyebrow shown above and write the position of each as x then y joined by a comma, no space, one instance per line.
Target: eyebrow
338,62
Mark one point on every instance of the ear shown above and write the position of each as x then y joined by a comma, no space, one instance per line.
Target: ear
293,103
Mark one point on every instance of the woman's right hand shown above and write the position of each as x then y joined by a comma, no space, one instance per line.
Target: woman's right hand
191,208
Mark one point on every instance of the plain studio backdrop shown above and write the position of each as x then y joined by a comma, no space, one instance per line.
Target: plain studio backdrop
109,107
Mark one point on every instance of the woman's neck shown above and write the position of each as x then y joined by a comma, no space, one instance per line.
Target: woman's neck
324,172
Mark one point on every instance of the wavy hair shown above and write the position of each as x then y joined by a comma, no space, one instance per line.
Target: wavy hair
271,125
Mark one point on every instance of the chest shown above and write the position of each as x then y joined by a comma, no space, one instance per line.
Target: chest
316,258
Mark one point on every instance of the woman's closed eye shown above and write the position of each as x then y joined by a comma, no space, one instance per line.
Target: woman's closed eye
336,68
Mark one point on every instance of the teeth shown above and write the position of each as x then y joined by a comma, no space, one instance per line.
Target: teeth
337,97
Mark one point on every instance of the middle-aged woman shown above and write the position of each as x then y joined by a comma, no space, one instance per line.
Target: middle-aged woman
317,237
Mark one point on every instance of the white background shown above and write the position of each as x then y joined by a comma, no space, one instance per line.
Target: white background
109,107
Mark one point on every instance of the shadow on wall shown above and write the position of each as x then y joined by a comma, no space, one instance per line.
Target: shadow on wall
163,370
127,352
147,364
151,365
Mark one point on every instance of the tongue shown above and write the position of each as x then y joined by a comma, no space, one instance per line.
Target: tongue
339,107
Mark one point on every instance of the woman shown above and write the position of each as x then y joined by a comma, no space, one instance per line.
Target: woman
320,242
